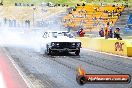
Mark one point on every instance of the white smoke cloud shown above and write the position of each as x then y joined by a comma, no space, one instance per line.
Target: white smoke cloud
22,39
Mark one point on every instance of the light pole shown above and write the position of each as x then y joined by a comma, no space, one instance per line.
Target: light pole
33,15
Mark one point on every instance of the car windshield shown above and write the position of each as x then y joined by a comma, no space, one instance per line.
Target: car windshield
56,34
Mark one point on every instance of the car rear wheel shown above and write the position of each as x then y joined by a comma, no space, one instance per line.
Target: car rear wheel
49,51
77,52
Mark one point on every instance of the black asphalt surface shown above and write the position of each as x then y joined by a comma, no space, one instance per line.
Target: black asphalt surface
59,71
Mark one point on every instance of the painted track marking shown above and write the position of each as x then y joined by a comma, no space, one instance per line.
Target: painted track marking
22,74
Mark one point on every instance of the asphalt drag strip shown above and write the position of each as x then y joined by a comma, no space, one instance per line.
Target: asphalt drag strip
60,71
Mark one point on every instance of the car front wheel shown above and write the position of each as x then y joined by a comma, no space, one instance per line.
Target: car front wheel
49,51
77,52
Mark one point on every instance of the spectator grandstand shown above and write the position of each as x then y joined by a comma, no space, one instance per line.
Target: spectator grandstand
93,17
128,27
129,22
90,16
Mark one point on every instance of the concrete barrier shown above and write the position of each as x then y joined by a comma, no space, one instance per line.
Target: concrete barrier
111,45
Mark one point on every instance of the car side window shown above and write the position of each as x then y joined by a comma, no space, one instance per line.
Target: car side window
54,34
71,36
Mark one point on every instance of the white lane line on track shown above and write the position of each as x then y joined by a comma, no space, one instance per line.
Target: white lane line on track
22,74
108,53
2,81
